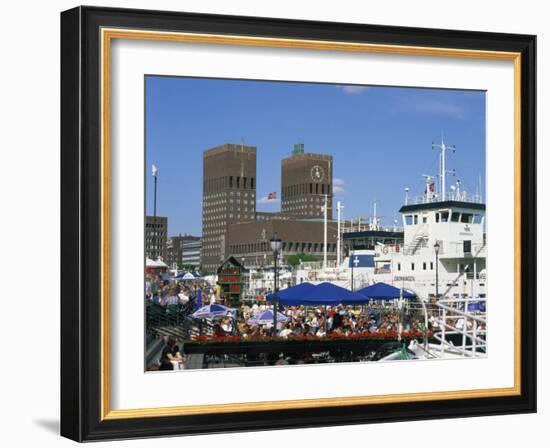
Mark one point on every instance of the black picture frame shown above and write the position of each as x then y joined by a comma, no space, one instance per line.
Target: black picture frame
81,224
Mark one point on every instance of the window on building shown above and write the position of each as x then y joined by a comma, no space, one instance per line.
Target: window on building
431,265
424,266
424,219
444,216
408,220
412,266
467,246
437,217
244,182
477,219
455,217
230,181
310,188
416,219
467,218
238,182
398,266
322,188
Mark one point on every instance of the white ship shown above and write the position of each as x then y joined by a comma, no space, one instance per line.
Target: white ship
442,251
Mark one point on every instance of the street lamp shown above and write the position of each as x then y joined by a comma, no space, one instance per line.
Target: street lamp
276,245
244,282
436,249
154,172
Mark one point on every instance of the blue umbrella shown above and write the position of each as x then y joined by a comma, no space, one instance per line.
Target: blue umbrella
329,294
290,295
383,291
188,276
213,310
325,294
266,317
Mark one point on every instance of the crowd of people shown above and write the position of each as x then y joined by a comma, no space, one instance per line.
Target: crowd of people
311,322
165,292
301,321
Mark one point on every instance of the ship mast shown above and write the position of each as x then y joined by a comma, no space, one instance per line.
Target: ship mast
442,169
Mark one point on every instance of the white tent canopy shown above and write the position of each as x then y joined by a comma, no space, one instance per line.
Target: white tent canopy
155,263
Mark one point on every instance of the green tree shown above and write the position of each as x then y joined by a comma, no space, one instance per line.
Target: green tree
295,260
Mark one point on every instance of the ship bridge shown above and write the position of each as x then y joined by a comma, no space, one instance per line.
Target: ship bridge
457,226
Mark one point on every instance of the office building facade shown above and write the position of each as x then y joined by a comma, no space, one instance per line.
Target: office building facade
229,197
183,250
156,230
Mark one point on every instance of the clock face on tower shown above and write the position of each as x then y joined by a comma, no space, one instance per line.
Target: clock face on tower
317,173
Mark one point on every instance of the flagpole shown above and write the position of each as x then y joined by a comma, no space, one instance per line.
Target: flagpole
338,242
325,234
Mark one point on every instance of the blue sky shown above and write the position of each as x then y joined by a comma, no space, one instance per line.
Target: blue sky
380,139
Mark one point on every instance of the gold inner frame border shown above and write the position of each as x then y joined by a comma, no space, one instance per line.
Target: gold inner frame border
107,35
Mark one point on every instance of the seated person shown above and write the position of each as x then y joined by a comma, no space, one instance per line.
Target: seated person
218,331
179,360
169,355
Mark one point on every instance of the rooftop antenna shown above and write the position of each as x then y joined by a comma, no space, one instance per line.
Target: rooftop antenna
407,189
298,149
442,170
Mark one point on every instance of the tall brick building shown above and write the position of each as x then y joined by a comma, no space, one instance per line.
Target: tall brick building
231,226
229,197
305,180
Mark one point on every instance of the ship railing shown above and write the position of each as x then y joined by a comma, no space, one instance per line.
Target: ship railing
368,227
456,319
318,265
463,196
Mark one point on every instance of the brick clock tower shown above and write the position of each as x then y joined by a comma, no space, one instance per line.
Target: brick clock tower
305,180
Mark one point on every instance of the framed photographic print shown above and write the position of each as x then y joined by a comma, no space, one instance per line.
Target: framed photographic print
273,223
